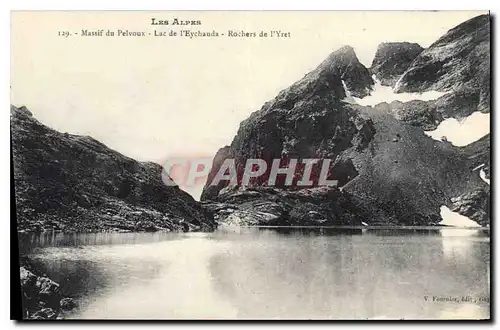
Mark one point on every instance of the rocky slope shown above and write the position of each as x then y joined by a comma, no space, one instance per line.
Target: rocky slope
75,183
392,59
458,62
389,171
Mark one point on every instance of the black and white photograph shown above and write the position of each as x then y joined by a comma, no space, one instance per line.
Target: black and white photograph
251,165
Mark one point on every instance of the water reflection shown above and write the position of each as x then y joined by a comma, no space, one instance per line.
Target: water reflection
265,273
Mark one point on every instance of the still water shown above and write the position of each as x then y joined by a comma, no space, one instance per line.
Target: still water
248,273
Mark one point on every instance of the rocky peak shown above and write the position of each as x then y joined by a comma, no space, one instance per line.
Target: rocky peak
392,59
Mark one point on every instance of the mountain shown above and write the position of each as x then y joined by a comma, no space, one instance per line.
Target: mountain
345,64
389,171
459,63
75,183
392,59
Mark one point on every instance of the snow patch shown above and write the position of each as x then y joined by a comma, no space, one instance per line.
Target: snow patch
455,219
348,98
463,132
382,93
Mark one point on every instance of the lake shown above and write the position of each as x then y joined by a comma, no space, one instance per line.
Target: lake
271,273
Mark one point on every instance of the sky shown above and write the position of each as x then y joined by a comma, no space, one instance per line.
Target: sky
153,98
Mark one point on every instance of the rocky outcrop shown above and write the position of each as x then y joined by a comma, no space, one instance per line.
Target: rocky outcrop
392,59
458,63
74,183
42,298
385,165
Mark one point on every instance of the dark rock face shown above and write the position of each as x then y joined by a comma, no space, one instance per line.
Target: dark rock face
75,183
41,297
458,62
392,59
